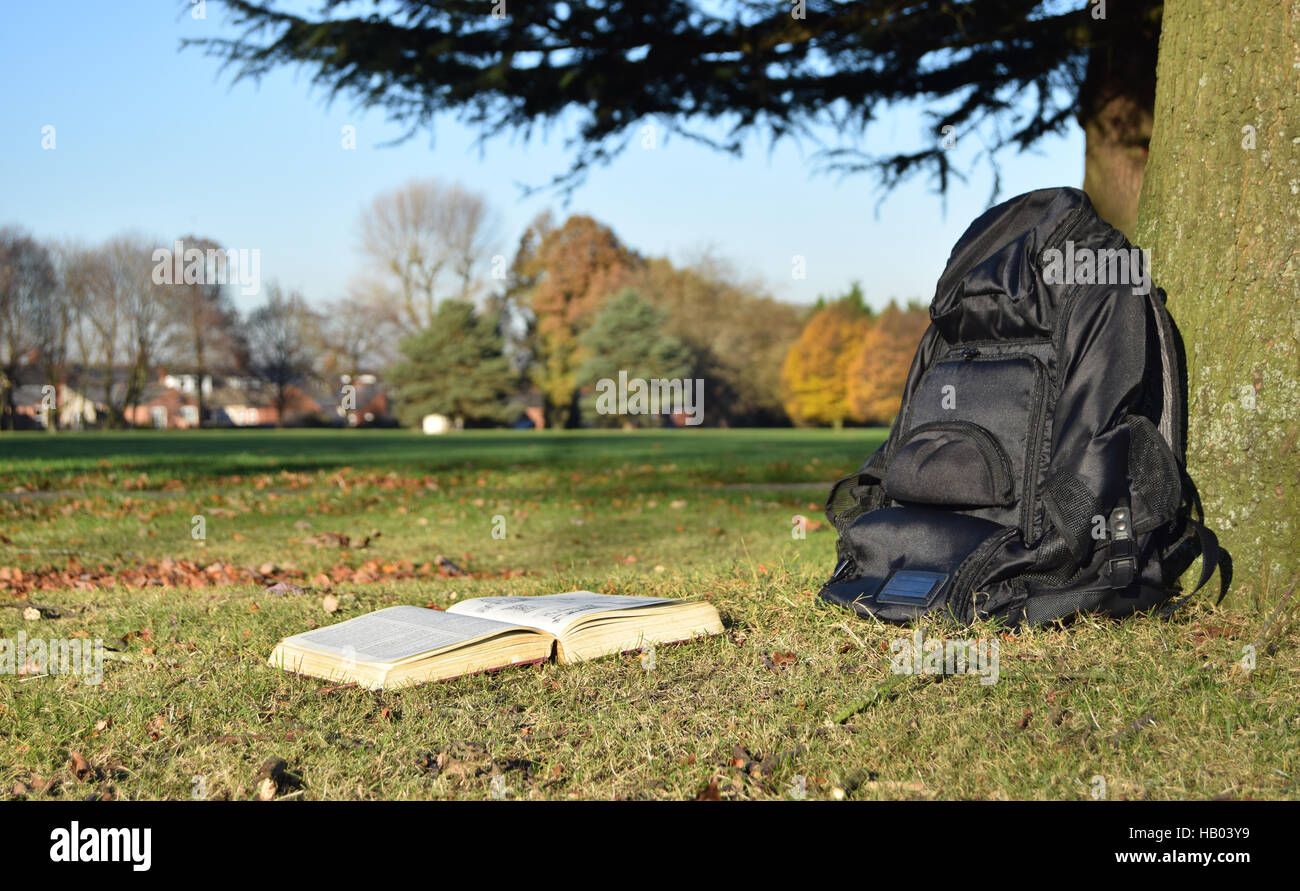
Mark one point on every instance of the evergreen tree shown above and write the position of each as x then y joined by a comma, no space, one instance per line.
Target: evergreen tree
629,335
454,367
1005,73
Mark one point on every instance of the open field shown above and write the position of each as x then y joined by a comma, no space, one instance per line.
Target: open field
97,535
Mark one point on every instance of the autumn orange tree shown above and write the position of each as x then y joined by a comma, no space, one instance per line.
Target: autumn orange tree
575,267
814,376
878,368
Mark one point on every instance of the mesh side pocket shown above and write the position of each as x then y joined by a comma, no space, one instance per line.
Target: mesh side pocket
857,493
1071,508
1154,476
1054,565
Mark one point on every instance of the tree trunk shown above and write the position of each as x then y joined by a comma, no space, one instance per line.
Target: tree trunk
1220,211
7,413
200,373
281,400
1115,108
1114,157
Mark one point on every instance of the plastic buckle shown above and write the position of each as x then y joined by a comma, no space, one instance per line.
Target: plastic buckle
1123,550
841,570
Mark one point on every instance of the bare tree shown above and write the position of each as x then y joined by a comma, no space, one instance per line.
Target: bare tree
148,323
360,331
103,324
128,317
27,281
54,322
280,336
78,268
431,239
203,317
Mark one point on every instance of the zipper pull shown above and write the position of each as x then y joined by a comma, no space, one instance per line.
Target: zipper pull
970,353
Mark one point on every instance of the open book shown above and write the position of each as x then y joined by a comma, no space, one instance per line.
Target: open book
409,644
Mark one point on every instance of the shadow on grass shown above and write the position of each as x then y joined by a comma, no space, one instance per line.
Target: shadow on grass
765,455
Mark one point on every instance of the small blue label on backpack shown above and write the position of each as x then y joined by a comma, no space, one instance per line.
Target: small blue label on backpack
911,586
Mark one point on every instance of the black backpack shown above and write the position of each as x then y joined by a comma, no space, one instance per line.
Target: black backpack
1036,468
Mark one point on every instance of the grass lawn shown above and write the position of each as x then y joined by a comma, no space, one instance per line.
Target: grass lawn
796,699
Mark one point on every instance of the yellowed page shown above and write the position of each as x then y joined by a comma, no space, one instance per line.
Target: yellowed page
553,613
396,634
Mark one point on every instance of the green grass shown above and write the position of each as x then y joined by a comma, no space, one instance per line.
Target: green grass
1158,709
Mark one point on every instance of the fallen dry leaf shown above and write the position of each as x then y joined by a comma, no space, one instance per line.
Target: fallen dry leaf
266,789
173,573
154,728
710,792
445,566
275,777
79,766
779,661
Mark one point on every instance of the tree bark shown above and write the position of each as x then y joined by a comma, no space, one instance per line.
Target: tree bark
1220,211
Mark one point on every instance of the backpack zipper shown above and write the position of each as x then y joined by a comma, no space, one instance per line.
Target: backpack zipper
1036,437
963,583
1066,229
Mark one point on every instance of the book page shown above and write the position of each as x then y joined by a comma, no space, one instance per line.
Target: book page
552,612
395,633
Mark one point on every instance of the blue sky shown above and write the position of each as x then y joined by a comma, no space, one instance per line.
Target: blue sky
153,140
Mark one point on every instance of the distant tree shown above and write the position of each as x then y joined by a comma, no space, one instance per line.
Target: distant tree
55,319
737,336
454,367
281,334
204,320
27,282
517,321
814,376
358,332
430,240
854,298
575,268
108,275
148,323
879,366
79,269
629,335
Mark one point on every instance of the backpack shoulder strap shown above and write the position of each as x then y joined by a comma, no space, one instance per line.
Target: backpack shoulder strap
1213,557
1173,377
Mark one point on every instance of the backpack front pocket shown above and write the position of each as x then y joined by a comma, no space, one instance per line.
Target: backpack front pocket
999,402
951,463
901,562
